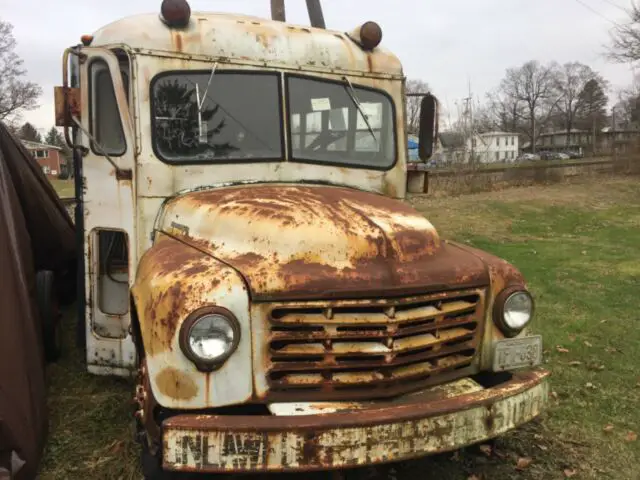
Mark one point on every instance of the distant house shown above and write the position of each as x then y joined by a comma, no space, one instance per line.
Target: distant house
487,147
49,157
493,147
607,141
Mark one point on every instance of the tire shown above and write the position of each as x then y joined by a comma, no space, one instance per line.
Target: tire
49,315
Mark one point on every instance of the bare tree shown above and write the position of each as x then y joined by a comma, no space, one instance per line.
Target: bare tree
504,111
573,78
625,37
626,111
16,94
535,86
413,104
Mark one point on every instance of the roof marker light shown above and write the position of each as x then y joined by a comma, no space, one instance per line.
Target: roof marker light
175,13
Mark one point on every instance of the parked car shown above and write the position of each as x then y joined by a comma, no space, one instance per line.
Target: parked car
527,157
562,156
574,154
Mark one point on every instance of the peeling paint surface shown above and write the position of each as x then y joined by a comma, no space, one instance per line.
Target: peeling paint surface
320,242
245,39
174,280
365,349
363,437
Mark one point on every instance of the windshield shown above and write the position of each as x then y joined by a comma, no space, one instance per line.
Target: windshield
222,116
328,125
217,116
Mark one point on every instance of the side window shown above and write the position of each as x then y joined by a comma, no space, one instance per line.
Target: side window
105,124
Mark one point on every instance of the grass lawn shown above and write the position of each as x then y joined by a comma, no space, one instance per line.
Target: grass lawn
64,188
579,247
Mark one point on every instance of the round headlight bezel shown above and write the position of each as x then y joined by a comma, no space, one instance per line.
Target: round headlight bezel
202,363
499,310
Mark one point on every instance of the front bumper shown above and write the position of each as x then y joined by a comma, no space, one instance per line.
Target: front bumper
386,433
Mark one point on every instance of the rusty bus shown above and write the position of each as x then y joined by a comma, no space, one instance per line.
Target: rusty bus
248,255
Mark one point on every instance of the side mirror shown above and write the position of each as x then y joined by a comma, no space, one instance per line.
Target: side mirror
428,126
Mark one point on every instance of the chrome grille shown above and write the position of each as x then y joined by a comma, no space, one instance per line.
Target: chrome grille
364,349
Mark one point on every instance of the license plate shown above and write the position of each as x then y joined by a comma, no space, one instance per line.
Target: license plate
516,353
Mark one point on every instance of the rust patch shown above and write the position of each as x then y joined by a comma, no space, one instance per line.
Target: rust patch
389,413
176,38
308,241
173,279
175,384
247,260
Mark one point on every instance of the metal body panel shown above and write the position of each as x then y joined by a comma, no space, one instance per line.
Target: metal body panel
332,350
246,39
320,242
174,280
386,433
108,203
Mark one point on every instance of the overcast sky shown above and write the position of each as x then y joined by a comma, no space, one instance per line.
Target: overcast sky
445,43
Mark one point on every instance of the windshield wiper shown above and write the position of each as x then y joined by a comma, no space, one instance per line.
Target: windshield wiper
352,93
201,103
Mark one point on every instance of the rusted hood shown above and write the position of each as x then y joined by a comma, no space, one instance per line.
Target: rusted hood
318,241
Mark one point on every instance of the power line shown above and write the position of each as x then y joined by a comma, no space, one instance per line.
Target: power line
593,10
614,4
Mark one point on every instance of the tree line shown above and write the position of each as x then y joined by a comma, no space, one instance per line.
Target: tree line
536,97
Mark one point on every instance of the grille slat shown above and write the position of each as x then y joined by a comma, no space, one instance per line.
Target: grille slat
327,333
391,346
336,363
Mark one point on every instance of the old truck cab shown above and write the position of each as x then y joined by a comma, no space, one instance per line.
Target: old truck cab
248,256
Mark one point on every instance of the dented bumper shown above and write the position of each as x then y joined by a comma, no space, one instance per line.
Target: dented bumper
440,419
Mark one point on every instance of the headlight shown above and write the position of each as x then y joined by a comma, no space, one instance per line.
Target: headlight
513,310
209,337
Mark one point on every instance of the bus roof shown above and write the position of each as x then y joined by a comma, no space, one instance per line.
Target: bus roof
250,40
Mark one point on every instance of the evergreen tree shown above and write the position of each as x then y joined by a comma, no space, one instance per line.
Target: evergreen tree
592,106
30,133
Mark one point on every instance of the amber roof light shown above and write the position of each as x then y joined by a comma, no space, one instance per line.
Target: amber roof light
175,13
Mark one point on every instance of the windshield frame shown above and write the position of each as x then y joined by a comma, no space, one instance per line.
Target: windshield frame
344,84
284,112
220,161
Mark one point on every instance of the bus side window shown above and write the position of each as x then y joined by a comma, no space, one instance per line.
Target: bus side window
105,124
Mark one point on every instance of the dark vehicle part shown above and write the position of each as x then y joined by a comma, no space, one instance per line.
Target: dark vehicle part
36,234
50,316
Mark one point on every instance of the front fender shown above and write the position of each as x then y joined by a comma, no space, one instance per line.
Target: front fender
502,274
173,280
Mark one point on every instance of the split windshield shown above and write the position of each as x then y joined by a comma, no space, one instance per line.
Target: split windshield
221,117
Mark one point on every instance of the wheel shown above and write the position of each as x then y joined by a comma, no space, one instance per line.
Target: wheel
49,315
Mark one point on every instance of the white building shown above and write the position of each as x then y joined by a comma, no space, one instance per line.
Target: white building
492,147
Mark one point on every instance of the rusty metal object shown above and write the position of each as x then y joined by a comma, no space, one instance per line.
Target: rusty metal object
278,12
241,39
316,17
173,281
189,322
67,105
307,242
332,350
388,433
